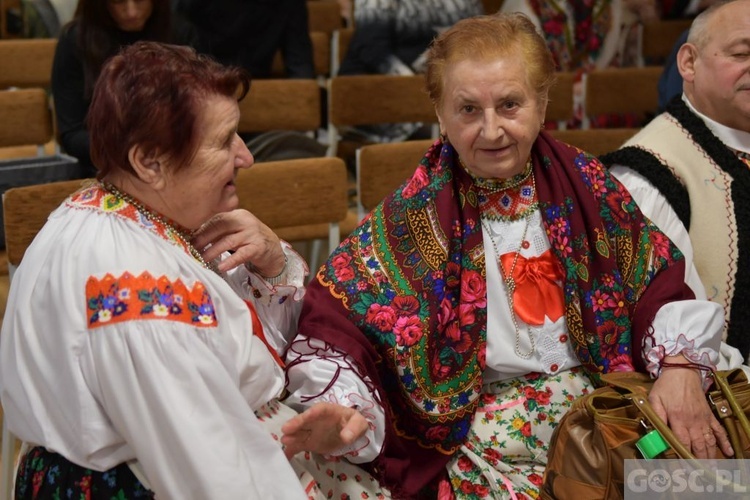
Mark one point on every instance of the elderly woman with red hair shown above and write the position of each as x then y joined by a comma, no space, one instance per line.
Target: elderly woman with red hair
140,348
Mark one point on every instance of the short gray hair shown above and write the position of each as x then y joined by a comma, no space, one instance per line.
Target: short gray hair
699,34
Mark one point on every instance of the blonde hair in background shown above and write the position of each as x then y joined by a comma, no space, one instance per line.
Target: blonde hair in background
486,38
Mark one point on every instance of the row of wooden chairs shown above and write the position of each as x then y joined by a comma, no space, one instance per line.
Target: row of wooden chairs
292,104
659,37
28,62
27,127
372,99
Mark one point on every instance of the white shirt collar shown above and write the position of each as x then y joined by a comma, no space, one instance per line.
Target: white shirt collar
736,139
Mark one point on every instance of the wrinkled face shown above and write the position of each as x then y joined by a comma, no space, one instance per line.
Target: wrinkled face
490,115
206,186
130,15
718,80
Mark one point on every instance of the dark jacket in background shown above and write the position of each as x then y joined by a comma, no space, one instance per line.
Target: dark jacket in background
248,33
68,88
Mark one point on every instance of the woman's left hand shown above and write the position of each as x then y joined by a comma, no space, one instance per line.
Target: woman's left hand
678,398
244,234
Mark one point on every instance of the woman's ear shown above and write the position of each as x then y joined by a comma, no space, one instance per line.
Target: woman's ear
148,165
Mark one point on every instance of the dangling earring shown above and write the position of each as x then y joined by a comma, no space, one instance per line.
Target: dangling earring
444,138
541,126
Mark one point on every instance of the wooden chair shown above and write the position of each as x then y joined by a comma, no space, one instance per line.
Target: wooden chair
373,99
381,168
622,90
321,46
300,200
26,131
560,106
281,104
596,141
324,15
340,41
321,43
492,6
659,38
25,212
26,124
26,62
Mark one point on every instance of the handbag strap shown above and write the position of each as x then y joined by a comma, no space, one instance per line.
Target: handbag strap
726,391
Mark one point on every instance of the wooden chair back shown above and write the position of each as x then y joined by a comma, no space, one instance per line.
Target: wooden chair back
26,124
622,90
659,38
373,99
560,106
324,15
339,45
381,168
26,62
321,47
26,117
492,6
25,211
321,43
300,200
597,141
370,99
281,104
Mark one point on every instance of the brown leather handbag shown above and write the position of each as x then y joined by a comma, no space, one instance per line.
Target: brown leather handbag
589,447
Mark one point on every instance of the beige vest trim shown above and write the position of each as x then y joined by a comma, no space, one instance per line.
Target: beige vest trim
713,227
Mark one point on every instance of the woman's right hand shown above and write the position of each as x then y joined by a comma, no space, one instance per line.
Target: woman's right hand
246,236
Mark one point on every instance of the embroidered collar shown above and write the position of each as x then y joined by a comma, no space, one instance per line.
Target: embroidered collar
506,199
97,198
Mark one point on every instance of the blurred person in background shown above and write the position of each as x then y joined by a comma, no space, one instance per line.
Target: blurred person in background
99,29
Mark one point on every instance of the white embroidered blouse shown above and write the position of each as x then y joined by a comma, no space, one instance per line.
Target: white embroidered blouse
117,346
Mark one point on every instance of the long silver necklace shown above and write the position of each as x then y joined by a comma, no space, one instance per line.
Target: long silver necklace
510,283
155,217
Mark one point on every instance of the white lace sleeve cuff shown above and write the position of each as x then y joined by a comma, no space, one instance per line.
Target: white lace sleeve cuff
700,356
318,373
291,282
690,327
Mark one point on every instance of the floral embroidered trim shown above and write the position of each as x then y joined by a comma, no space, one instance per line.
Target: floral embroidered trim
508,203
113,300
98,199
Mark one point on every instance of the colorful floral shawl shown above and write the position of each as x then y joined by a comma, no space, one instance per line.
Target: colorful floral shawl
592,21
405,295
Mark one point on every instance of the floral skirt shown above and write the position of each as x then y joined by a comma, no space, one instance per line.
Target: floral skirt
506,450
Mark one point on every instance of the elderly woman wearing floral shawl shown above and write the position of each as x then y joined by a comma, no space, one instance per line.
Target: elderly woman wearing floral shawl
479,299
